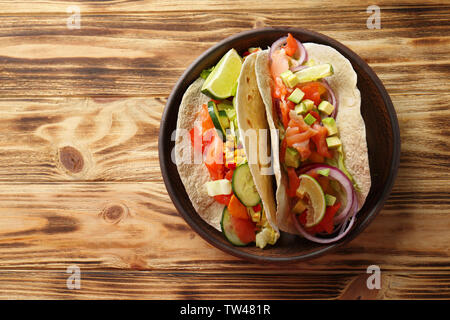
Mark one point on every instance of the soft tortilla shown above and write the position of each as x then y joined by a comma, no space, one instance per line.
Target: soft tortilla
349,122
252,118
249,110
194,176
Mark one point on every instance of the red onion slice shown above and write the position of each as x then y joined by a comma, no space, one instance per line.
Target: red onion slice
310,237
275,46
300,56
297,68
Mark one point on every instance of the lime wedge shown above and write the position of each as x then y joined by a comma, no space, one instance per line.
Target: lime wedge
310,187
221,82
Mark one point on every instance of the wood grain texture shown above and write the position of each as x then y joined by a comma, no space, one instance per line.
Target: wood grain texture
120,6
138,54
80,182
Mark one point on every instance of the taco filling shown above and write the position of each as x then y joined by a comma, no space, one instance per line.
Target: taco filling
215,135
320,193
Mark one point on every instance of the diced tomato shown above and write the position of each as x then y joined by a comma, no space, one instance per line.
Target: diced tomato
246,53
196,139
324,182
231,165
291,45
313,91
205,118
245,229
327,224
229,174
213,157
223,198
320,141
283,150
294,182
237,209
313,173
257,208
302,217
315,157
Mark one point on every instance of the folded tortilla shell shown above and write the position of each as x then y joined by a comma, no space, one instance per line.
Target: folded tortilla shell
349,122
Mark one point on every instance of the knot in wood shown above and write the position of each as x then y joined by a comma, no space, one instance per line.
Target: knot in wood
71,159
114,213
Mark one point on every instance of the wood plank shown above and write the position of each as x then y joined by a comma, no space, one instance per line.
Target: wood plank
121,225
117,139
120,6
119,284
144,54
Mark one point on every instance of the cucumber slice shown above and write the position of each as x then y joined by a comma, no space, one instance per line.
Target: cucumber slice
243,186
228,229
223,119
214,114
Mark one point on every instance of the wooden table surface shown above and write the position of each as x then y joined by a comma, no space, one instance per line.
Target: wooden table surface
80,182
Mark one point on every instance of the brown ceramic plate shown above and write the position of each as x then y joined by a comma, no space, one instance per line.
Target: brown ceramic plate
383,139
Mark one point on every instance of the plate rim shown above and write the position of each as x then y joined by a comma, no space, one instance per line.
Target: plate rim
372,213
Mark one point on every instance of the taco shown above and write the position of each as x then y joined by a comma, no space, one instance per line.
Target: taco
227,188
322,171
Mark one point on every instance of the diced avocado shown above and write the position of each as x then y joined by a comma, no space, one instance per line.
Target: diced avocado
296,96
285,75
314,73
304,106
292,81
330,200
299,207
292,158
330,124
289,78
231,113
309,119
333,142
224,121
300,109
324,172
326,107
224,104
